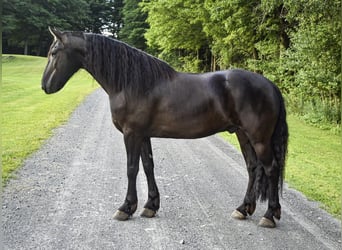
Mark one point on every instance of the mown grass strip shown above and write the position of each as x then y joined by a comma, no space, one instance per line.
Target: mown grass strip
314,163
28,114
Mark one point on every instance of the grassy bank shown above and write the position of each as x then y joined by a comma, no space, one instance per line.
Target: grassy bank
313,164
28,114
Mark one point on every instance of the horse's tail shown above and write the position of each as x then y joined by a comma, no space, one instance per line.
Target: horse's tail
280,139
279,146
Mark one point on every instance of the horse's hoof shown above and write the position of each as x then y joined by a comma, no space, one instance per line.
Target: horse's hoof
264,222
238,215
121,216
148,213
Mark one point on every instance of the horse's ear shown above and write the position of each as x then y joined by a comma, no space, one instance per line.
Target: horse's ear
73,39
57,34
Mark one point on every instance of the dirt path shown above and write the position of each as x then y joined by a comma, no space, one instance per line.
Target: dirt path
65,195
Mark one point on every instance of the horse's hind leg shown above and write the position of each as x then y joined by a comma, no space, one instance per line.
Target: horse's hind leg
265,155
152,205
249,203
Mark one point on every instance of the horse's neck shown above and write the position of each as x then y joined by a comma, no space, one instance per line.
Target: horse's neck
129,74
90,66
100,80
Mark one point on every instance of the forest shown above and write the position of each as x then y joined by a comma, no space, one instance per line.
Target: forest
295,43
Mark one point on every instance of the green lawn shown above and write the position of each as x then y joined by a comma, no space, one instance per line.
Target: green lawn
28,114
313,164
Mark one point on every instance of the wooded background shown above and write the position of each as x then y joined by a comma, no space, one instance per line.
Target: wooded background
295,43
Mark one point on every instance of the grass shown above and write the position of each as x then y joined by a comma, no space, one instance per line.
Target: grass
28,114
314,163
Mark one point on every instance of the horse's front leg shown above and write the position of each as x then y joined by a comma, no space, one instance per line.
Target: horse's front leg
133,148
152,205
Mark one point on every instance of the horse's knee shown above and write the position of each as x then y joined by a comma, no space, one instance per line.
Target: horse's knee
132,172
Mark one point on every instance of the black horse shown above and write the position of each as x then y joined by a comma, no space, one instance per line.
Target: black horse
148,99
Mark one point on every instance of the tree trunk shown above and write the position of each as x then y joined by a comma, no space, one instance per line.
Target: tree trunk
26,47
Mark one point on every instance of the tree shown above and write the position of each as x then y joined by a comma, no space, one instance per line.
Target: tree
246,33
134,24
99,11
116,17
273,40
176,31
314,57
26,22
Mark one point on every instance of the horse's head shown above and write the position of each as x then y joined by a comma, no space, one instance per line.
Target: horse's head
65,57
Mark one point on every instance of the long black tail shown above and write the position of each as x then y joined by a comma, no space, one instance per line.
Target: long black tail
280,139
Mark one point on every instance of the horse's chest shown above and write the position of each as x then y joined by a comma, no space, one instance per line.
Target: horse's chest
118,107
128,115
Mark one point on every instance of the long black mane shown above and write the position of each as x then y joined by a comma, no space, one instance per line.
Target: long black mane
124,67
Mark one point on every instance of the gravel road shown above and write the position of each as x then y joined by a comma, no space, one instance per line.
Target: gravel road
65,195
